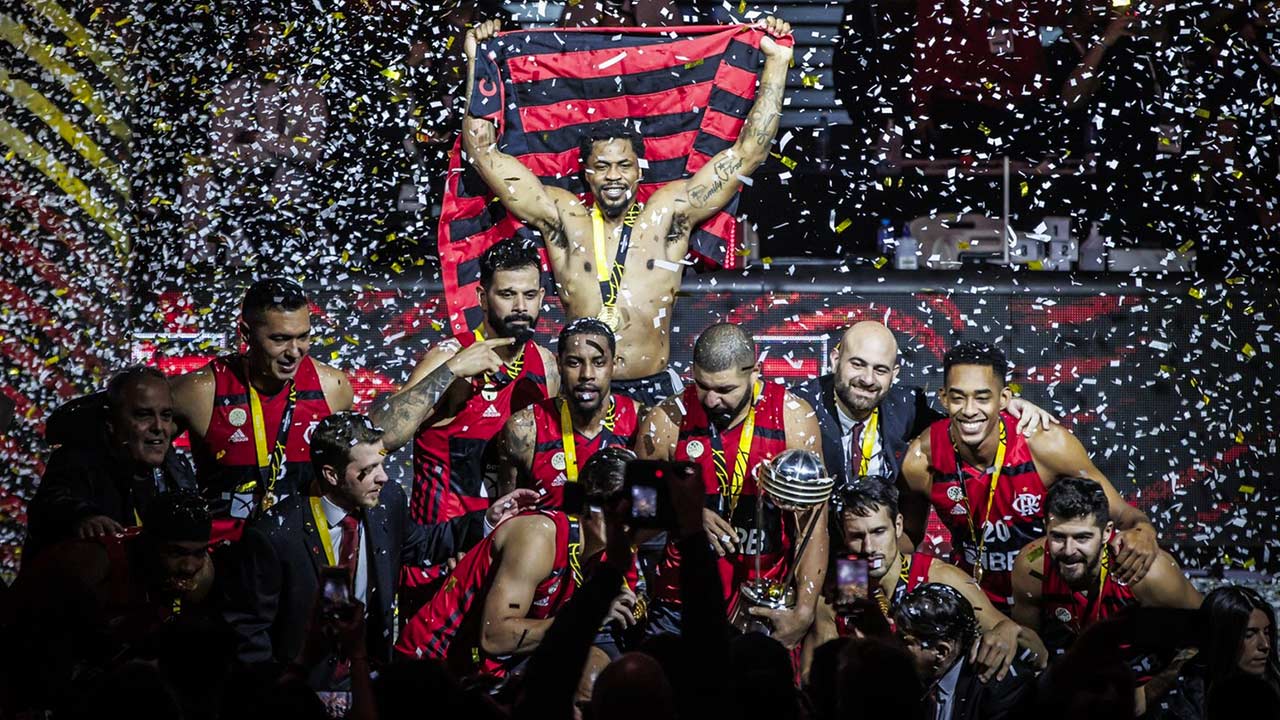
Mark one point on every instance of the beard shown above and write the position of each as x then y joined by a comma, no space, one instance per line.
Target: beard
722,418
1090,567
586,408
856,402
517,325
612,210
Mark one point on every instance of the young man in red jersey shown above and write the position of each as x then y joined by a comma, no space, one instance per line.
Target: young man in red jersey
987,482
544,446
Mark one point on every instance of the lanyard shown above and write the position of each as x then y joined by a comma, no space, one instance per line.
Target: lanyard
733,489
869,432
981,540
269,465
1096,603
322,527
568,440
512,369
610,278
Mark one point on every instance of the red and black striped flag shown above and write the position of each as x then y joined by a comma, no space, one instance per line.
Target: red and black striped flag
687,92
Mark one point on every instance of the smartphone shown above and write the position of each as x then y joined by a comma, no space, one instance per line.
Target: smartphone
336,598
647,484
851,579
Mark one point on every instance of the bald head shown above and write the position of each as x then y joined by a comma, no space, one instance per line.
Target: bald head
865,364
724,346
870,336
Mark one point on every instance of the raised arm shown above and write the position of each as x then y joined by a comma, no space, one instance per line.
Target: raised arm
1060,454
702,195
515,450
517,188
399,414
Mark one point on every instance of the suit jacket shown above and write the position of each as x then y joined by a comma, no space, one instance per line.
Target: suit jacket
904,413
277,576
997,699
85,478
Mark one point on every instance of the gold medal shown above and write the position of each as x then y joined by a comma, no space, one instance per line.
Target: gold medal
610,315
977,571
268,500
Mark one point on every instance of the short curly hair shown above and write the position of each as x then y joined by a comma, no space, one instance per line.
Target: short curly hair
977,353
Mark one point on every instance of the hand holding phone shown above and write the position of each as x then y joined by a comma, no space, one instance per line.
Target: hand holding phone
648,486
337,601
851,583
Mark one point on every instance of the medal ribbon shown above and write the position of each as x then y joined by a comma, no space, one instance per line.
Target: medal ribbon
733,488
269,464
904,577
610,277
1094,612
981,540
511,369
869,442
322,527
569,441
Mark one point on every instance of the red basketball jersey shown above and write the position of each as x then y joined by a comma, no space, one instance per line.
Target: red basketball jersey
1017,510
1065,613
549,458
448,627
227,456
771,539
450,461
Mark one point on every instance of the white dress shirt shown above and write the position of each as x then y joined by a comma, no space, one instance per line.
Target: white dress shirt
853,457
333,515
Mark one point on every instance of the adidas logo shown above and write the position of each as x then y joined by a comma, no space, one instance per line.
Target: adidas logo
560,480
959,510
238,437
491,411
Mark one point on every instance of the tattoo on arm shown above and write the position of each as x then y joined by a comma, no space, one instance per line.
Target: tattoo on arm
400,415
762,122
726,172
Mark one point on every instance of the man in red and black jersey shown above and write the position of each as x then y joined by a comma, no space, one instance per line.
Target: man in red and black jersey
729,421
1064,582
869,526
498,603
987,482
544,446
451,423
251,414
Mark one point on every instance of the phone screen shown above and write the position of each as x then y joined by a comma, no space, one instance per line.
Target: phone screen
851,579
335,591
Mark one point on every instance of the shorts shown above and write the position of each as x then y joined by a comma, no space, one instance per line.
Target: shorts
650,390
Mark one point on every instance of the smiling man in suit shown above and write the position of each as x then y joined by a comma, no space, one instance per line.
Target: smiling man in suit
353,519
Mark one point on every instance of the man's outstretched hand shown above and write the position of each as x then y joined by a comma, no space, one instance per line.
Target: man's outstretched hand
775,28
479,34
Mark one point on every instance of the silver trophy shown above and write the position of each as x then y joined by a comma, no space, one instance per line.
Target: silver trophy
795,480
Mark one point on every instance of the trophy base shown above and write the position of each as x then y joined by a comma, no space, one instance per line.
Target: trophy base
760,593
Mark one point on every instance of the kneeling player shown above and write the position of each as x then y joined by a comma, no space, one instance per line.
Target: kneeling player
869,524
502,597
1064,582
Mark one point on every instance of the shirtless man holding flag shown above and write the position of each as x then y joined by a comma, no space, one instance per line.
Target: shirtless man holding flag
642,245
